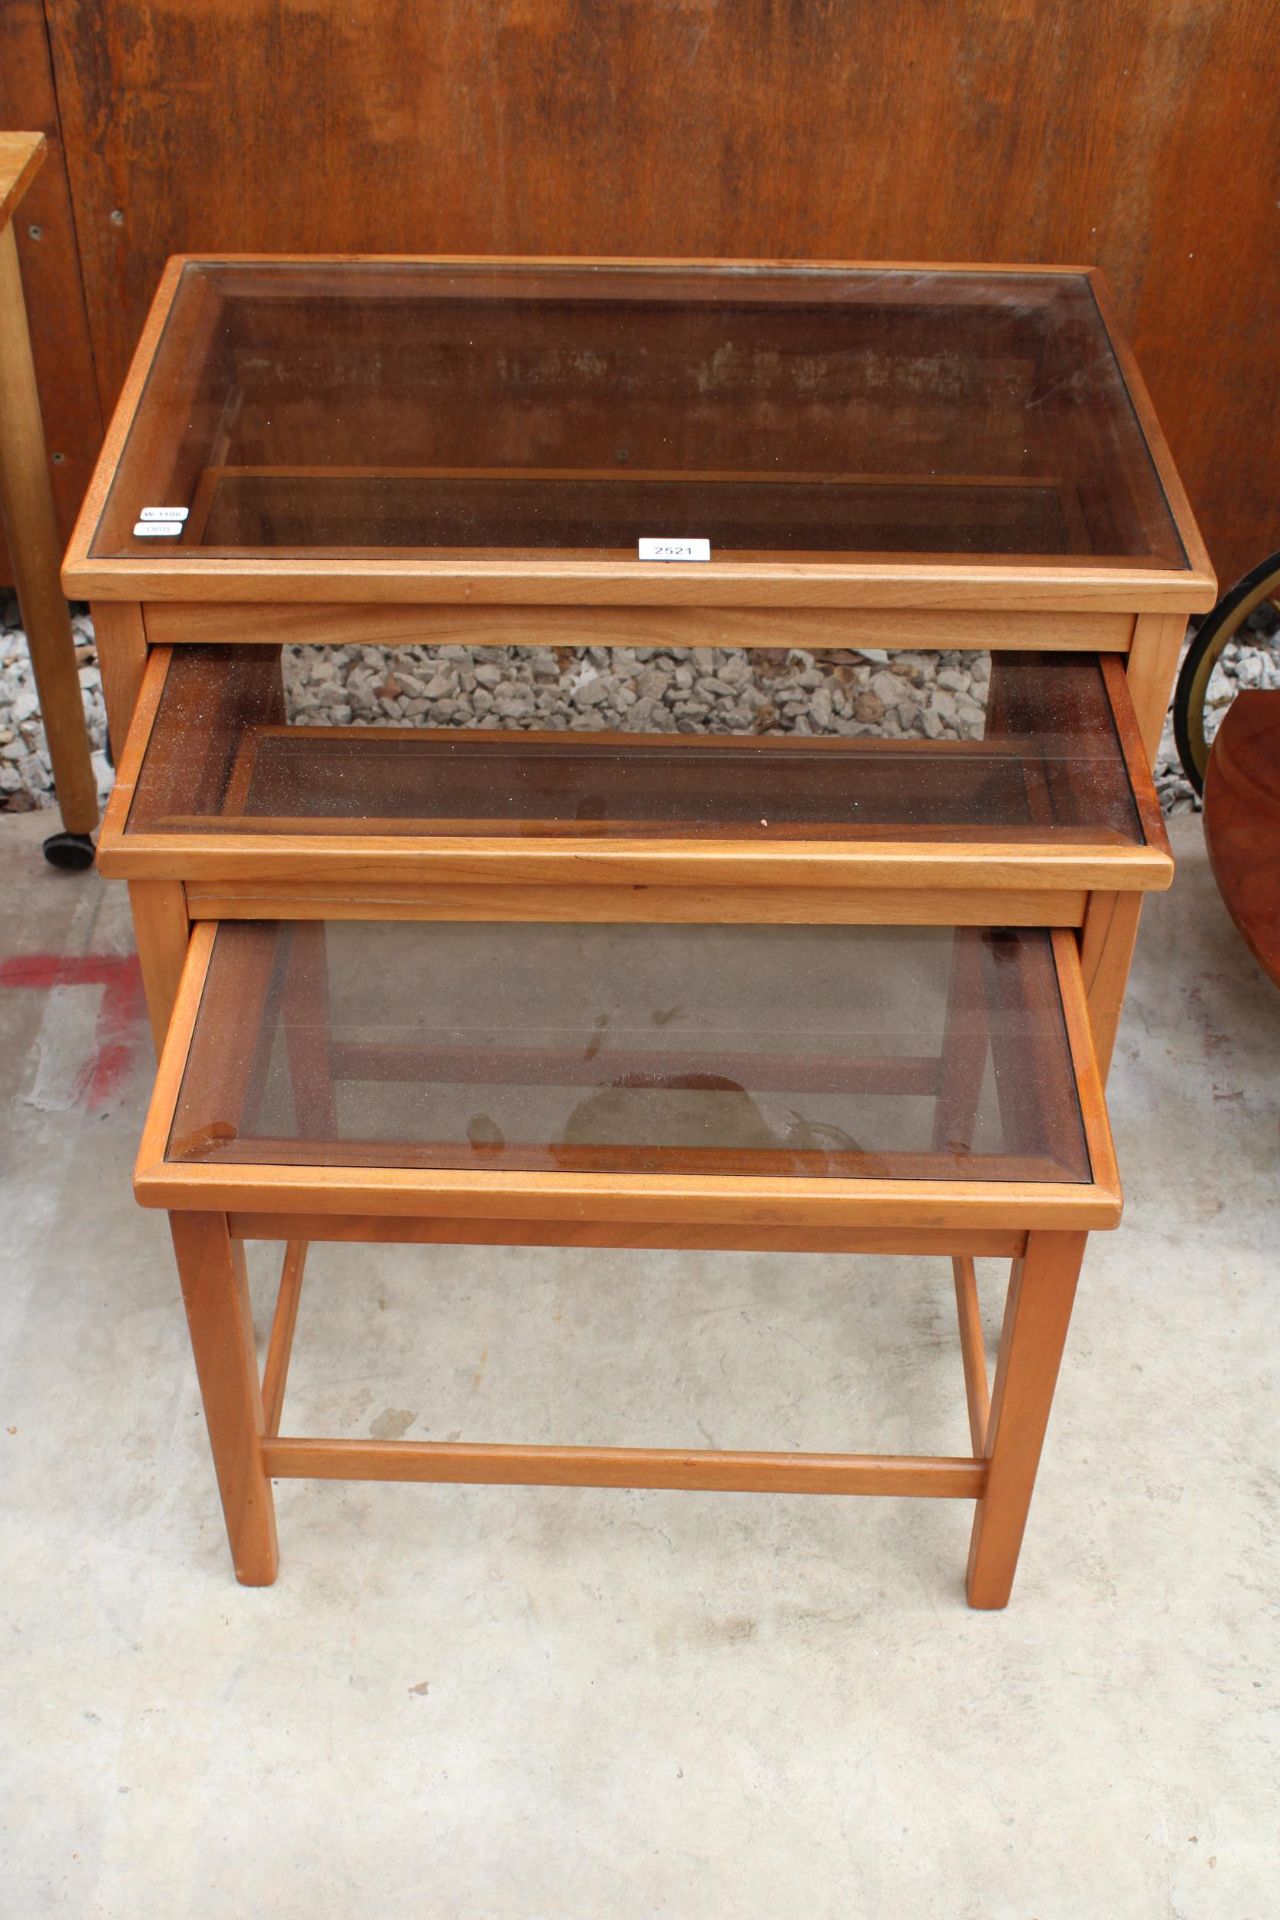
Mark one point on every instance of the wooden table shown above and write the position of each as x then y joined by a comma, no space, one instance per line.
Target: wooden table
918,1091
392,452
26,507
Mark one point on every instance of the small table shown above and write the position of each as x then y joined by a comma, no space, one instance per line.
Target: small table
792,1089
26,508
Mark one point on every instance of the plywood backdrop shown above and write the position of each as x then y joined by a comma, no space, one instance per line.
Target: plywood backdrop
1139,134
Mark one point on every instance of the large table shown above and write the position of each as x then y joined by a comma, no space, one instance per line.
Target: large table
766,988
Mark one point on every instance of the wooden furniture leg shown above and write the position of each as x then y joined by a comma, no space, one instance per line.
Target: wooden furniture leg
1110,929
1107,940
122,656
215,1291
1150,671
1041,1290
965,1051
162,930
26,503
973,1349
275,1371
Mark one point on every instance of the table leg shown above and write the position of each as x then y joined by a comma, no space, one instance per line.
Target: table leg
215,1290
26,501
163,932
1151,669
122,657
1041,1290
1107,940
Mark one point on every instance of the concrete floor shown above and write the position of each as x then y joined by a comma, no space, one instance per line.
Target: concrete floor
495,1704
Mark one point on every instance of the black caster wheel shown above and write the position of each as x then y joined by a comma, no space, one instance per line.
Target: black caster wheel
73,852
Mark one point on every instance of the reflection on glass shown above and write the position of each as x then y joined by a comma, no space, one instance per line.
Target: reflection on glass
492,412
826,1052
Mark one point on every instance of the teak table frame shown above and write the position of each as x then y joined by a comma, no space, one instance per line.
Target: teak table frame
145,604
214,1208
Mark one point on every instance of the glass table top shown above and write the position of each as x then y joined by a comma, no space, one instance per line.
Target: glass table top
546,410
1043,760
841,1052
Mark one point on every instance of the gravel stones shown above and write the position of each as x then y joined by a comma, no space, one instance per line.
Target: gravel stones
26,777
641,690
1245,664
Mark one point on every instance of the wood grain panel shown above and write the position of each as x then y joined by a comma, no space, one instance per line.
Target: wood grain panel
50,260
837,130
307,623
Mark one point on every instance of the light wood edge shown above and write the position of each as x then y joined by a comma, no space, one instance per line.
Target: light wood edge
129,766
175,1044
1107,938
322,623
727,1471
122,657
275,1371
1037,1313
1137,763
21,157
972,1349
1093,1103
77,568
1023,1206
997,1243
949,867
668,906
1065,589
1161,457
679,905
215,1291
1151,671
162,930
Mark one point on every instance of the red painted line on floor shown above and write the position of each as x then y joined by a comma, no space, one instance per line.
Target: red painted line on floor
121,1014
66,970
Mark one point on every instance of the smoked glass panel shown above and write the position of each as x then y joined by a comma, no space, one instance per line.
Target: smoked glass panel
832,1052
1035,755
299,408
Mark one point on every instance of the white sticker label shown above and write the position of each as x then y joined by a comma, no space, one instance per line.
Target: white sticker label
163,513
157,529
675,549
